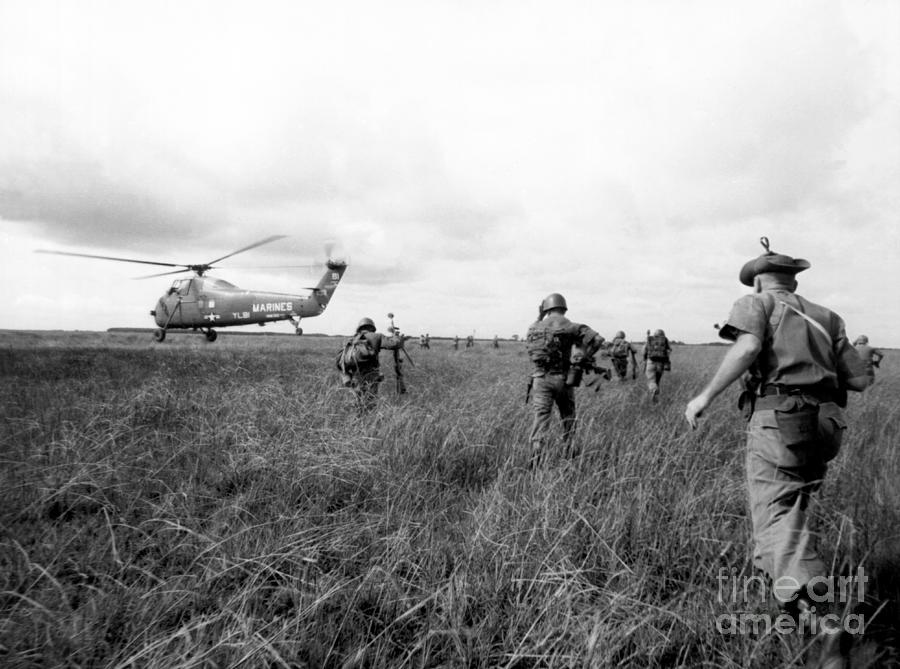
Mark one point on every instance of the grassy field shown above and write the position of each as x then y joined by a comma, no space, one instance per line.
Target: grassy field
208,505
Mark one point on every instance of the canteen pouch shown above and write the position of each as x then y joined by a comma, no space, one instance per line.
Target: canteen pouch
832,426
798,421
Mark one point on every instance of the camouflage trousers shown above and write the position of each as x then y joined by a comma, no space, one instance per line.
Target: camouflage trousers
780,483
547,391
620,365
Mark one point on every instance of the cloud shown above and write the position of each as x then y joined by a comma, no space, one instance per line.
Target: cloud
466,158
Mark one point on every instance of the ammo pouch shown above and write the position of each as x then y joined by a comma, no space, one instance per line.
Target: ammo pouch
798,420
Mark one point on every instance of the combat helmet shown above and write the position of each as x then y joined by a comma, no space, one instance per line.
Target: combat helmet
862,339
554,301
366,323
619,335
659,333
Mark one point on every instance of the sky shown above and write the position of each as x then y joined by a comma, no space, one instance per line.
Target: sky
466,158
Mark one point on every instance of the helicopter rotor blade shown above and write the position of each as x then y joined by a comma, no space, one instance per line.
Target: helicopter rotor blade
88,255
317,266
153,276
247,248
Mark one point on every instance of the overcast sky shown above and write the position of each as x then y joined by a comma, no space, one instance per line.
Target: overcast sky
468,157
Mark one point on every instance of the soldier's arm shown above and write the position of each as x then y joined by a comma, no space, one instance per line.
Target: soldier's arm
851,369
589,340
737,360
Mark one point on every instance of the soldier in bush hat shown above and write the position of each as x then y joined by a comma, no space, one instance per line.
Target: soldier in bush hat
870,355
550,342
799,364
359,364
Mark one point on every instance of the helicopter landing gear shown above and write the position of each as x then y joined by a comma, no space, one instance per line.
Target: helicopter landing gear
211,335
159,335
296,323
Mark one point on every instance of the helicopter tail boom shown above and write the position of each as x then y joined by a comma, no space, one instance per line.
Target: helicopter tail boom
328,283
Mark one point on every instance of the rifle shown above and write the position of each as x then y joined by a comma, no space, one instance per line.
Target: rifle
590,367
398,362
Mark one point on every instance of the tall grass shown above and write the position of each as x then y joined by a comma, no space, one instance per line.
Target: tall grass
193,505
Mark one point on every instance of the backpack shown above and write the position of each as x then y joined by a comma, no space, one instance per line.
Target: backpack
619,348
357,353
545,348
656,347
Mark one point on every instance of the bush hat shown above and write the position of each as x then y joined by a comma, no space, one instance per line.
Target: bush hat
771,262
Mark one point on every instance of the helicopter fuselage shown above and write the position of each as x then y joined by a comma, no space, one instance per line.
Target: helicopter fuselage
205,302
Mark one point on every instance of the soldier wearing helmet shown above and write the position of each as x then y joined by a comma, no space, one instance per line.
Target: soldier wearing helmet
656,361
358,361
870,355
550,342
619,351
799,366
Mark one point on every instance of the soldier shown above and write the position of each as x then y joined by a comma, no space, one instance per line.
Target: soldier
619,351
550,342
427,341
423,342
496,341
470,341
456,342
870,355
359,364
798,359
656,361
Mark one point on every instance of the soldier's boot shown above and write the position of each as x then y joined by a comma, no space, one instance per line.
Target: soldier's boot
834,641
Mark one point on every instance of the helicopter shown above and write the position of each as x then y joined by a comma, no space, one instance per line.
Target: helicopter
200,302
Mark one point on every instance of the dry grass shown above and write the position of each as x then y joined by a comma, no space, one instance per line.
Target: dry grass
191,505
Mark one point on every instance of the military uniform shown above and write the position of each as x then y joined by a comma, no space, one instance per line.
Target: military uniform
798,365
367,377
550,342
792,374
619,351
656,361
870,355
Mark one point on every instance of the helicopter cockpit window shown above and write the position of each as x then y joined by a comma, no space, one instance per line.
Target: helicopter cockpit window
180,286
